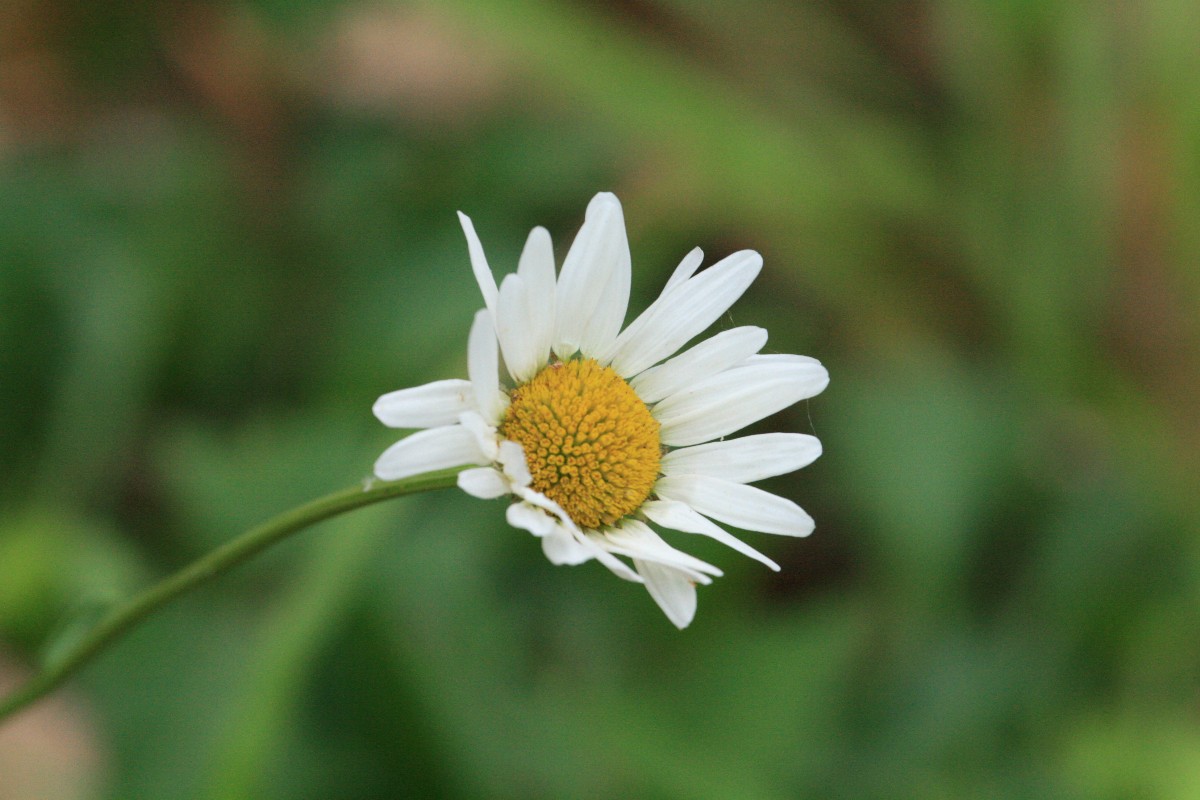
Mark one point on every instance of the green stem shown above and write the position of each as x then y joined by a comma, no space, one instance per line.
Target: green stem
124,617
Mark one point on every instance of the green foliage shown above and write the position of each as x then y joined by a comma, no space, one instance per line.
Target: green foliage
224,233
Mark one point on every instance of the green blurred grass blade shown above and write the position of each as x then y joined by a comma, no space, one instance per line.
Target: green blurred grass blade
297,626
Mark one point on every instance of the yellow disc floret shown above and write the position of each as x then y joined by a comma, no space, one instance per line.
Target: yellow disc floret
589,440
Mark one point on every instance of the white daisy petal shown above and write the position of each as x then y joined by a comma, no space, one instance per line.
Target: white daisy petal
635,539
536,268
539,500
483,366
736,504
735,398
682,517
683,313
561,547
517,343
780,358
429,450
534,499
563,543
686,269
429,406
529,518
486,483
671,589
711,356
745,460
616,566
593,287
479,264
485,435
534,516
512,459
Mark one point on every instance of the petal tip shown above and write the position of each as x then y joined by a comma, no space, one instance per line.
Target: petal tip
603,198
376,410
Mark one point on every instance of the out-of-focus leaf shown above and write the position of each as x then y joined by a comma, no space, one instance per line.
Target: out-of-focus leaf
927,443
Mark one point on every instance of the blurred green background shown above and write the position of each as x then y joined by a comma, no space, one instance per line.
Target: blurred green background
226,228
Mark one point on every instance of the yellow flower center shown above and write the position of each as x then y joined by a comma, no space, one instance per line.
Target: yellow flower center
589,440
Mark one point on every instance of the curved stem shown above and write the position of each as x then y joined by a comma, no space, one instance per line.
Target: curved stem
125,616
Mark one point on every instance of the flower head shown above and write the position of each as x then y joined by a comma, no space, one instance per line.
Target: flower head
595,432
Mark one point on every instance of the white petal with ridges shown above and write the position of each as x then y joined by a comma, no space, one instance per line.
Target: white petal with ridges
736,504
635,539
745,460
593,287
479,264
671,589
735,398
536,268
682,517
517,343
706,359
483,366
683,313
686,269
429,406
427,451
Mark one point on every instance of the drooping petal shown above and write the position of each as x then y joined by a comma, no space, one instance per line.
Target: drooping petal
671,589
736,504
561,547
686,269
560,519
528,518
536,268
486,483
635,539
593,287
682,517
429,450
684,312
483,366
429,406
558,525
616,566
745,460
539,500
517,343
512,458
563,543
733,399
706,359
479,264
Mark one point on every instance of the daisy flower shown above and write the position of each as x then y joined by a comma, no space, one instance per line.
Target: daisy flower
597,433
